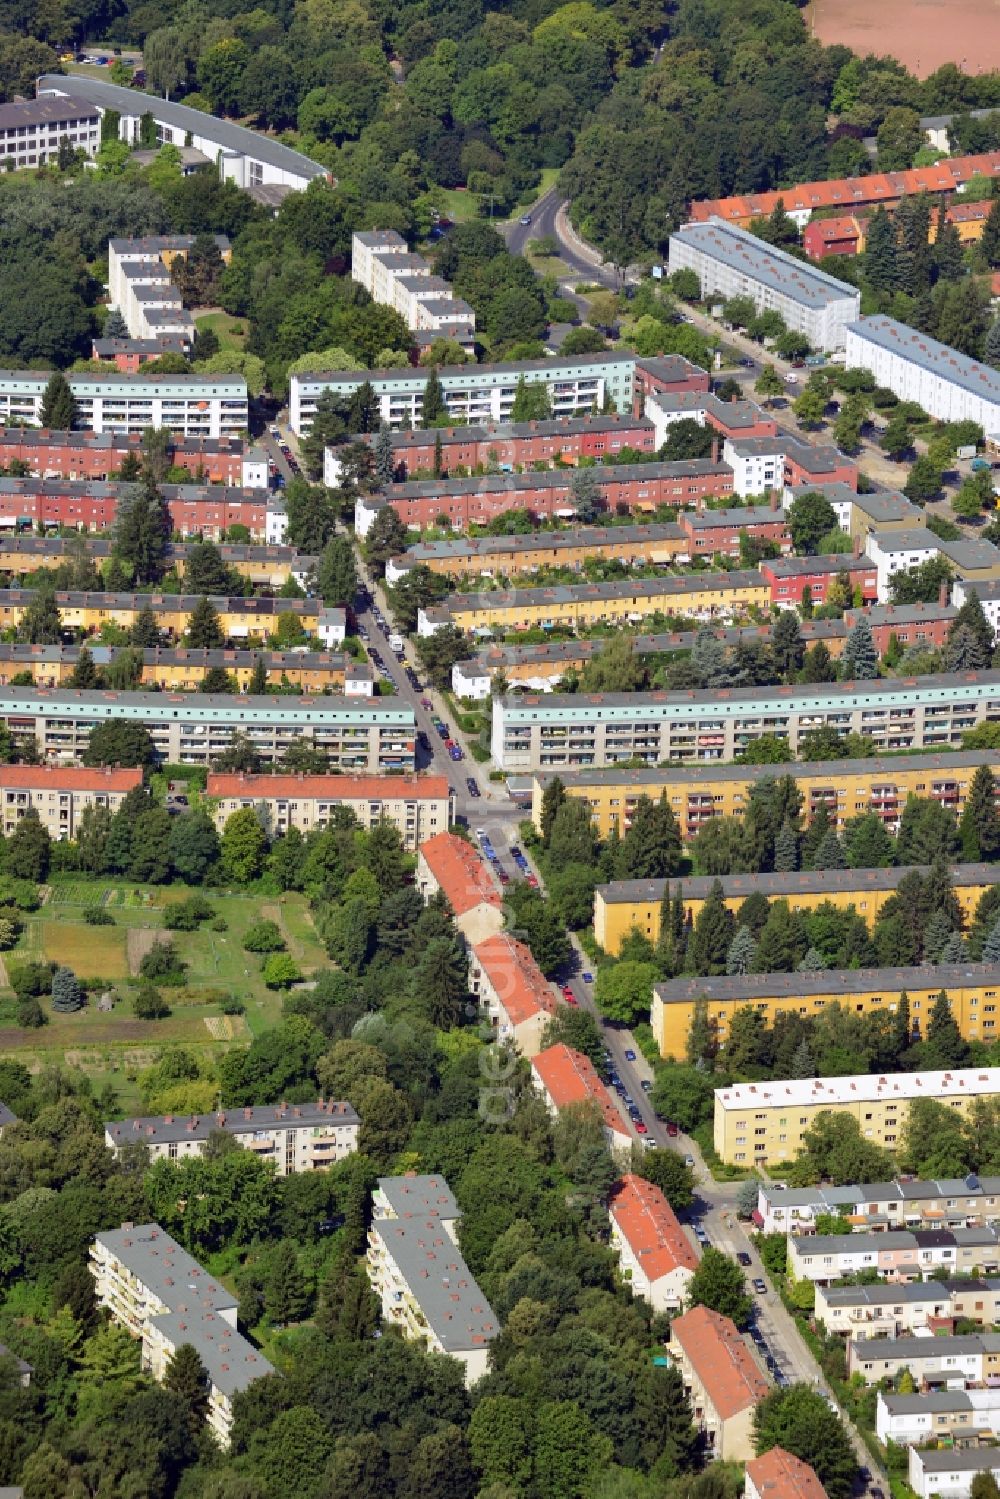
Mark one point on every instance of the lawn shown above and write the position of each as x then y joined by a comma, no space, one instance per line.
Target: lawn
114,1045
230,331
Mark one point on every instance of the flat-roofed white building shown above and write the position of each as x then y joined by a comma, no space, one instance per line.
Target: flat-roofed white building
382,263
419,806
731,262
949,386
212,406
294,1137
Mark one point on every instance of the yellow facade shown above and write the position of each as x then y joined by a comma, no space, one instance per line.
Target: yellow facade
170,673
867,890
87,612
975,1000
264,571
575,609
755,1129
697,794
661,550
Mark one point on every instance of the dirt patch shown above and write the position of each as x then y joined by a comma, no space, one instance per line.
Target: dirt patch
273,913
139,942
922,34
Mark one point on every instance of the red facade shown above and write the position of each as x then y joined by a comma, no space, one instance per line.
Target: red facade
207,511
788,583
91,455
825,466
516,446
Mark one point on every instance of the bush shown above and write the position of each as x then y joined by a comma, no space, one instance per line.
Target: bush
233,1006
163,964
20,893
149,1003
30,1014
220,924
31,980
280,971
98,916
10,928
264,937
187,915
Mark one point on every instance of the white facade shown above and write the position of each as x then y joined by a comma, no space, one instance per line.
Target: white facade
332,627
758,464
898,552
731,262
276,522
988,595
295,1138
381,262
192,405
255,470
950,1474
949,386
33,130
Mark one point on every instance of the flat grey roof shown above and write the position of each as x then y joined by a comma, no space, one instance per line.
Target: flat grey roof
753,986
774,268
798,567
562,368
173,1275
936,358
231,1362
894,1348
47,110
885,504
419,1196
169,1127
129,101
736,515
775,886
441,1282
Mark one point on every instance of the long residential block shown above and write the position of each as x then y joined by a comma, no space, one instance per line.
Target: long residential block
730,262
758,1122
515,995
416,1269
565,1077
267,567
98,455
944,1415
164,1298
58,795
459,503
476,556
239,618
194,728
636,905
955,1202
578,731
293,1137
695,795
419,806
184,670
192,405
448,865
924,1308
898,1256
703,596
722,1379
972,1358
655,1256
33,131
140,285
381,262
206,511
948,385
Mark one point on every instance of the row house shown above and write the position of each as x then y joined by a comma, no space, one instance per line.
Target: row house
565,1077
722,1379
97,455
515,995
896,1255
655,1256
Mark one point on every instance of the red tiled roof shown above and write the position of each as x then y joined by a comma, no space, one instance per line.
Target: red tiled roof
844,226
330,788
847,192
569,1077
648,1223
67,778
780,1475
720,1359
521,987
460,872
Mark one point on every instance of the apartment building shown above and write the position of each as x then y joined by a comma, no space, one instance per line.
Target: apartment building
58,795
948,385
975,560
956,1202
780,1475
449,864
139,283
946,1416
419,806
655,1256
164,1298
382,264
848,234
293,1137
193,405
931,1473
205,511
767,464
252,161
925,1308
183,670
861,514
639,487
794,579
722,1379
489,556
371,736
98,455
988,594
578,731
718,532
627,906
696,794
565,1077
130,354
704,596
896,1256
538,667
504,447
32,131
729,418
479,393
239,618
951,175
935,1363
730,262
416,1269
512,991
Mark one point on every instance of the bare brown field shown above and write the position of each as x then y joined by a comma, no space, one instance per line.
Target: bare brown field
922,34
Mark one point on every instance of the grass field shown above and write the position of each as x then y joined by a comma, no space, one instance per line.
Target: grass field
114,1046
230,331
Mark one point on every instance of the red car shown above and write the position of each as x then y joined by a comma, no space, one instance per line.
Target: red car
533,881
640,1128
672,1130
568,993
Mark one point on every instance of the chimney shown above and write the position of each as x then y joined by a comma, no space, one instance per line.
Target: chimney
943,595
774,500
856,549
715,450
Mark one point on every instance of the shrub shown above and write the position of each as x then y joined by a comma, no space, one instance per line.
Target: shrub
20,893
220,924
30,1014
187,915
280,971
163,963
233,1006
264,936
98,916
31,980
149,1003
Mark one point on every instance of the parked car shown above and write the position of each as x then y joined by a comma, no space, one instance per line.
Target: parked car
532,881
689,1160
526,219
672,1131
640,1128
567,992
588,978
760,1287
743,1257
630,1055
646,1085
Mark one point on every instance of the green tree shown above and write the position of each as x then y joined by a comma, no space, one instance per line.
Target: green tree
336,574
787,646
119,742
59,411
810,517
798,1419
434,408
651,848
141,531
568,1449
934,1142
531,402
244,846
385,539
624,992
28,849
881,262
84,674
860,658
944,1047
923,483
385,459
312,516
719,1284
666,1170
810,408
204,631
769,385
67,993
709,943
41,622
979,827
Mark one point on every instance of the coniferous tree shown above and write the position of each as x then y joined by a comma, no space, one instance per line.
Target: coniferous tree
991,343
701,1036
651,848
385,463
786,849
187,1376
84,674
742,950
944,1047
830,853
989,244
552,799
257,685
954,950
812,961
972,616
991,947
979,828
59,410
141,531
437,455
708,949
41,622
67,994
204,631
901,1025
434,408
881,261
949,261
860,656
145,632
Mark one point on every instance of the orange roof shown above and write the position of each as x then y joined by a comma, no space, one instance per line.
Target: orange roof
648,1223
780,1475
721,1360
331,788
844,226
67,778
517,980
851,192
569,1077
460,872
